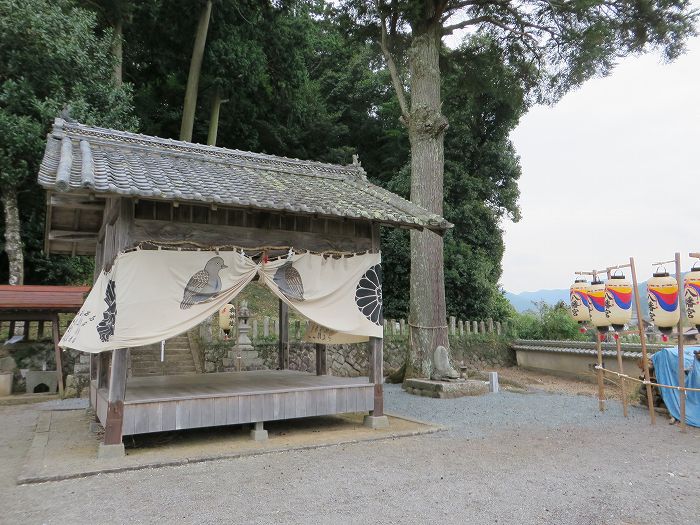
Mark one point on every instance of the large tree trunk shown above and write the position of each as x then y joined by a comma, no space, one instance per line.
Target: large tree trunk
190,104
117,50
13,238
426,130
214,119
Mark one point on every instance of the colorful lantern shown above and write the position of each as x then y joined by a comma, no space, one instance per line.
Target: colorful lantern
579,301
227,318
596,306
691,289
662,294
618,301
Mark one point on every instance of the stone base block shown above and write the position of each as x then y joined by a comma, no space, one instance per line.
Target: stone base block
258,433
106,452
446,389
95,427
376,422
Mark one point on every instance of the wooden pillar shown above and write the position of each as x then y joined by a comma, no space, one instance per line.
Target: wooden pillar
40,330
11,331
57,352
25,332
376,373
321,365
283,335
117,390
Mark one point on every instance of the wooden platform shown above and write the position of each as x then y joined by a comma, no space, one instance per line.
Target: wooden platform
156,404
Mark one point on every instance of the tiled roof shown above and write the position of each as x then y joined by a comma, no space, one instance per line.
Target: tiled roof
81,158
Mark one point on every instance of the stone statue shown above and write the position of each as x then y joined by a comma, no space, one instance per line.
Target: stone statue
442,368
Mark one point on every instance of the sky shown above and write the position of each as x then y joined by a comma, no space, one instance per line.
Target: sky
609,172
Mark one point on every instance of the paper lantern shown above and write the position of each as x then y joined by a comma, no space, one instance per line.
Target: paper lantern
596,306
579,301
662,295
618,301
227,318
691,289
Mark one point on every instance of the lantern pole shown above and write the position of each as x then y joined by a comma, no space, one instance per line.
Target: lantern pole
643,342
681,356
618,347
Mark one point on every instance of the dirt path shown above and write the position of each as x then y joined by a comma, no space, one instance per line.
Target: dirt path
508,458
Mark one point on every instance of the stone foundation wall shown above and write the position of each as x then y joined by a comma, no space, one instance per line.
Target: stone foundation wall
350,360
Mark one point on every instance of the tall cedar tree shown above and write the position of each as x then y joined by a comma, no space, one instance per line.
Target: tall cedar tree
565,42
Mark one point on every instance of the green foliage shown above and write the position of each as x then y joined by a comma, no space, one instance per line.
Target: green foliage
51,58
546,322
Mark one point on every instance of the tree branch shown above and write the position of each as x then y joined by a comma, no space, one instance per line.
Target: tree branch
393,70
448,30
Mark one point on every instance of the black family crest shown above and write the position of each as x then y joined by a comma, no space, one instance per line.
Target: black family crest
105,328
368,294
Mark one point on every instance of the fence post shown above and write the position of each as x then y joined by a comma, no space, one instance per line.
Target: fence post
475,327
453,325
392,326
255,328
402,326
490,321
498,327
461,327
266,326
482,327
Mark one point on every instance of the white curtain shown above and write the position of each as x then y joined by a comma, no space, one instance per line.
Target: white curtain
152,295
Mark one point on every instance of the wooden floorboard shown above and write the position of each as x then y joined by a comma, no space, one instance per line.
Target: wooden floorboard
156,404
164,388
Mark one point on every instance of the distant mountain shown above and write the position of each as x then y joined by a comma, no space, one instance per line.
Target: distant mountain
524,301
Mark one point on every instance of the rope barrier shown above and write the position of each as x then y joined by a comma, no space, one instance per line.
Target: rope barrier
177,245
645,382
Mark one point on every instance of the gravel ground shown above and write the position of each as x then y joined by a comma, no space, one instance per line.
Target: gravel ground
507,458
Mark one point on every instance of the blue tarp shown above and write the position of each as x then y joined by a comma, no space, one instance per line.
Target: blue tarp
666,367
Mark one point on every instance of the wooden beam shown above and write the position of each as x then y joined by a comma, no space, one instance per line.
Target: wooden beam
59,356
321,362
376,371
72,236
283,335
75,203
117,391
211,234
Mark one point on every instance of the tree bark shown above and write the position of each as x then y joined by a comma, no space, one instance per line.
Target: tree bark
117,50
214,119
13,238
190,104
426,130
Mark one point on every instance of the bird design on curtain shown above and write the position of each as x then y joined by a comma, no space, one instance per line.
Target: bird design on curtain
288,280
204,284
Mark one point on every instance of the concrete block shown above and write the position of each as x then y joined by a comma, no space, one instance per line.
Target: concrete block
493,382
258,433
376,422
7,364
107,452
5,383
36,377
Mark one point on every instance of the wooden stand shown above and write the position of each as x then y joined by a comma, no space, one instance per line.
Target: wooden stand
321,366
681,356
623,393
601,379
643,342
117,390
283,335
